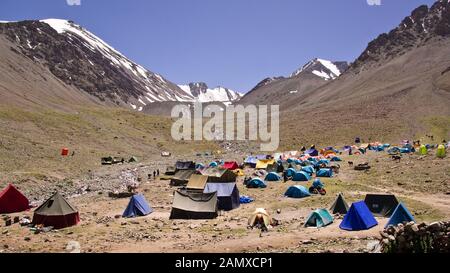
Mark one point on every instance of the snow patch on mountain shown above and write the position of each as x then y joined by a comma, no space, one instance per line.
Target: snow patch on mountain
202,93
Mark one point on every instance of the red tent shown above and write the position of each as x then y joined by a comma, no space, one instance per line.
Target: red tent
231,165
12,200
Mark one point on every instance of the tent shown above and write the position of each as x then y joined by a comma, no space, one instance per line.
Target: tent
325,173
312,152
339,205
219,175
401,214
251,161
199,166
301,176
213,164
166,154
272,168
297,192
272,176
318,184
133,159
185,165
12,200
335,159
227,195
56,212
308,169
197,182
260,217
194,205
290,172
137,206
423,150
231,165
263,163
319,218
181,178
358,217
440,153
170,170
256,183
381,204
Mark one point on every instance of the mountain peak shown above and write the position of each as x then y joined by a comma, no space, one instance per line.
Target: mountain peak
201,92
325,69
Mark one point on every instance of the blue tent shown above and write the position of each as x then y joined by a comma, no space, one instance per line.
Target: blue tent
245,199
319,218
312,152
358,217
137,206
213,164
227,195
324,161
317,183
308,169
301,176
256,183
290,172
394,150
335,158
386,145
401,214
297,161
272,176
312,159
325,173
199,166
297,191
346,148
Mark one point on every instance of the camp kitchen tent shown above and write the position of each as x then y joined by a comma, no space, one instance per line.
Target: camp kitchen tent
12,200
185,165
56,212
197,182
181,178
401,214
194,205
219,175
381,204
358,217
340,205
137,206
227,194
231,165
319,218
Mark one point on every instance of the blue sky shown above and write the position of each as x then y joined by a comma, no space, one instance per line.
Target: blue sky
231,43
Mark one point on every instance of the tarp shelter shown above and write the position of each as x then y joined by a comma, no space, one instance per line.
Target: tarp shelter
170,170
312,152
272,176
263,163
12,200
301,176
358,217
440,152
197,182
227,195
219,175
181,178
185,165
340,205
319,218
423,150
256,183
401,214
324,173
231,165
260,217
251,161
194,205
382,205
297,191
56,212
137,206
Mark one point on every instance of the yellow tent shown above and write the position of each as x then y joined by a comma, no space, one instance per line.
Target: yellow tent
423,150
263,163
239,172
197,182
441,151
260,216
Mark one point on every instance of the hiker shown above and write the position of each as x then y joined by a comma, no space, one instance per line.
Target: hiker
73,153
149,176
350,151
303,148
154,174
157,172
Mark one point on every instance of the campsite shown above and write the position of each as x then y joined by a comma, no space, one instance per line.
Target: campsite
168,218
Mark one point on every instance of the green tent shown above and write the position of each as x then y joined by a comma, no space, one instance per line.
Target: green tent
423,150
319,218
440,151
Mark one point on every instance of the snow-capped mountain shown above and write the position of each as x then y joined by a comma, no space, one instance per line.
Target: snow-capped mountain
202,93
79,58
324,69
